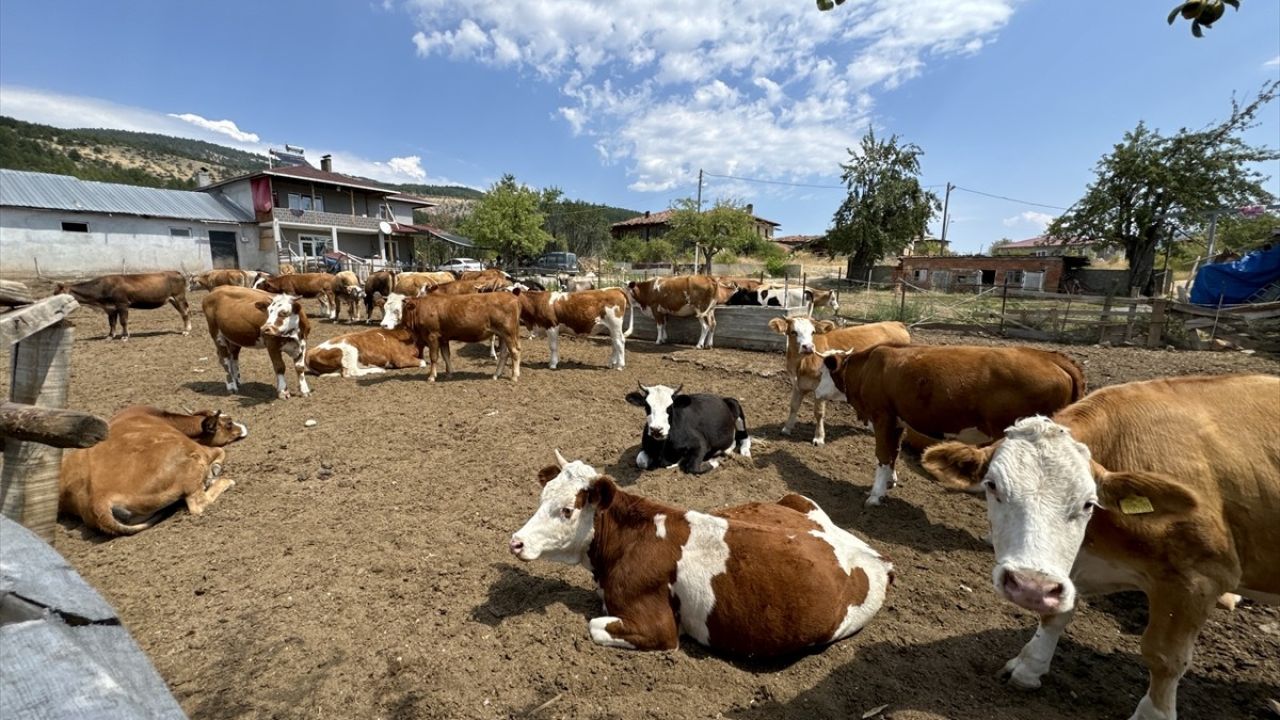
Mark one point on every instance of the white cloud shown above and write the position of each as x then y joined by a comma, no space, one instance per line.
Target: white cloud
773,88
1038,220
225,127
70,111
1273,62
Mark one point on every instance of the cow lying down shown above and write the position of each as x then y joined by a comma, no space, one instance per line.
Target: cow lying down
150,460
692,431
365,353
756,580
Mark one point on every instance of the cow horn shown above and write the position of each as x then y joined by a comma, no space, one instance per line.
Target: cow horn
560,459
678,389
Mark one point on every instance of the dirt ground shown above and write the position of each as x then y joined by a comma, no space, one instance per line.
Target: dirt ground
359,568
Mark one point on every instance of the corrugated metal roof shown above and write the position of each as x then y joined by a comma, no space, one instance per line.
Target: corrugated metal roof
63,192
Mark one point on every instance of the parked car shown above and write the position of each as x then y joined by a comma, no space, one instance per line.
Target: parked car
565,262
461,264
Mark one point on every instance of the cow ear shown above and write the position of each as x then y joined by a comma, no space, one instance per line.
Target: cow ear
825,326
682,401
547,474
262,305
958,466
209,425
832,362
635,397
778,325
601,492
1121,490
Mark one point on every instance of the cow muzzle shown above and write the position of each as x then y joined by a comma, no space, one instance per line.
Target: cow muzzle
806,349
1035,591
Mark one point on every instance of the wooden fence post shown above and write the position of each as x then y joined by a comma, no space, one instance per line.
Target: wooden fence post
1155,326
1106,316
29,478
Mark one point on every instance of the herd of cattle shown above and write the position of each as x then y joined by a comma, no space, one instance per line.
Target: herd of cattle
1171,486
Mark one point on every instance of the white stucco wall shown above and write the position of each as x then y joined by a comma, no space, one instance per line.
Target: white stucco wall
31,239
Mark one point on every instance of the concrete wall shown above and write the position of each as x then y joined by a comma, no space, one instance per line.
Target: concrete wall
32,240
403,212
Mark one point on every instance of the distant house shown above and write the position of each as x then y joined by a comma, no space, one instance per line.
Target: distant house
792,243
61,225
1044,246
959,272
303,213
654,225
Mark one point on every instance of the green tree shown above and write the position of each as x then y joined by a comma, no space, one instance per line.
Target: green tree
508,222
999,244
1151,187
579,227
727,226
886,206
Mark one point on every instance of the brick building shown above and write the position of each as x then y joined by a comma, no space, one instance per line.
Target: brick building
956,272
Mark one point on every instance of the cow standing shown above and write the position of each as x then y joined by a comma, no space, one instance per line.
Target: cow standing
211,279
150,460
757,580
692,431
793,297
807,341
679,296
365,353
1167,486
246,318
306,285
348,292
378,284
581,312
116,294
436,320
969,394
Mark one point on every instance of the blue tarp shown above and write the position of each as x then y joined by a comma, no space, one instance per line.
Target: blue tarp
1235,282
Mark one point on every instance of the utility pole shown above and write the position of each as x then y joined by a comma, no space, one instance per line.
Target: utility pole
699,189
946,200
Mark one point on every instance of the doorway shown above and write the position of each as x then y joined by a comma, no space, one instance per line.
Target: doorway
222,245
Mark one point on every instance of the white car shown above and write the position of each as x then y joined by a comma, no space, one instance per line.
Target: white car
458,265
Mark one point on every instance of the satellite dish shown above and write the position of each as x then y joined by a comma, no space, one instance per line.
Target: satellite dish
384,227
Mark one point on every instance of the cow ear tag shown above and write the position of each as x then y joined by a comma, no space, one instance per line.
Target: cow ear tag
1136,505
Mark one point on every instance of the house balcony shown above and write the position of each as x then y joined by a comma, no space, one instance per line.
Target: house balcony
312,218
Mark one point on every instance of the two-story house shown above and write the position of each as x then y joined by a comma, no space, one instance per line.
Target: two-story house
305,212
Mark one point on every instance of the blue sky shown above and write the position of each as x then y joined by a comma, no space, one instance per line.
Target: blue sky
622,101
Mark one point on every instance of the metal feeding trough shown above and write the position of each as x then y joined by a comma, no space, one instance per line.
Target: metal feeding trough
744,327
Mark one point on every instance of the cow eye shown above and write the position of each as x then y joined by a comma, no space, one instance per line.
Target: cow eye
990,487
566,513
1089,506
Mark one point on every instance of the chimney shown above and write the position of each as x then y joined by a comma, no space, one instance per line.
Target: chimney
203,179
326,163
751,209
646,213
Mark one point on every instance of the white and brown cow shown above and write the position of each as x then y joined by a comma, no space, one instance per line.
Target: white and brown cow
755,580
116,294
150,460
679,296
435,320
411,283
949,392
580,312
348,291
807,340
305,285
781,296
1167,486
247,318
365,353
211,279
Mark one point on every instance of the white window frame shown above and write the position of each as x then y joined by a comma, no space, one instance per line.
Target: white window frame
1014,277
319,244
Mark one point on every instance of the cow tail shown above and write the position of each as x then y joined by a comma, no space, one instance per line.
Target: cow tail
105,519
1075,372
741,440
631,321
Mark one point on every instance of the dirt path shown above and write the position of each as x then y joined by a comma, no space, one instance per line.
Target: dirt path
359,568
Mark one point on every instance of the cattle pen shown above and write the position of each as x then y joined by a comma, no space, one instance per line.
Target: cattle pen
360,568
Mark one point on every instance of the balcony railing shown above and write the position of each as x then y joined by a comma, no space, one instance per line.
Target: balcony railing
326,219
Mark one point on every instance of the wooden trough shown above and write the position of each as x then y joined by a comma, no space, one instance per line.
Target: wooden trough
737,326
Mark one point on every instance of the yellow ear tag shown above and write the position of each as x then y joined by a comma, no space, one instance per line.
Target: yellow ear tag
1136,505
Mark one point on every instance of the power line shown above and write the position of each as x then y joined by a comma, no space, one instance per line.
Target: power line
1009,199
777,182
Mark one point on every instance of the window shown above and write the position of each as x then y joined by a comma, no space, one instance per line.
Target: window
312,245
75,227
179,232
920,274
1013,277
298,201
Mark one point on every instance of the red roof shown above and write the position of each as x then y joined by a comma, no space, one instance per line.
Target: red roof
664,216
306,172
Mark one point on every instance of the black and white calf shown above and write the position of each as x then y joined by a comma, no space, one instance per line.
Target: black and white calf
692,431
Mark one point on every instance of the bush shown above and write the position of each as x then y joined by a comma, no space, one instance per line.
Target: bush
775,266
657,250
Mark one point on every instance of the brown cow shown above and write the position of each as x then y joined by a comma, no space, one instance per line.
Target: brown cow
487,274
491,283
679,296
412,283
378,283
756,580
436,320
306,285
581,312
365,353
150,460
246,318
211,279
116,294
348,292
807,340
1167,486
946,392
